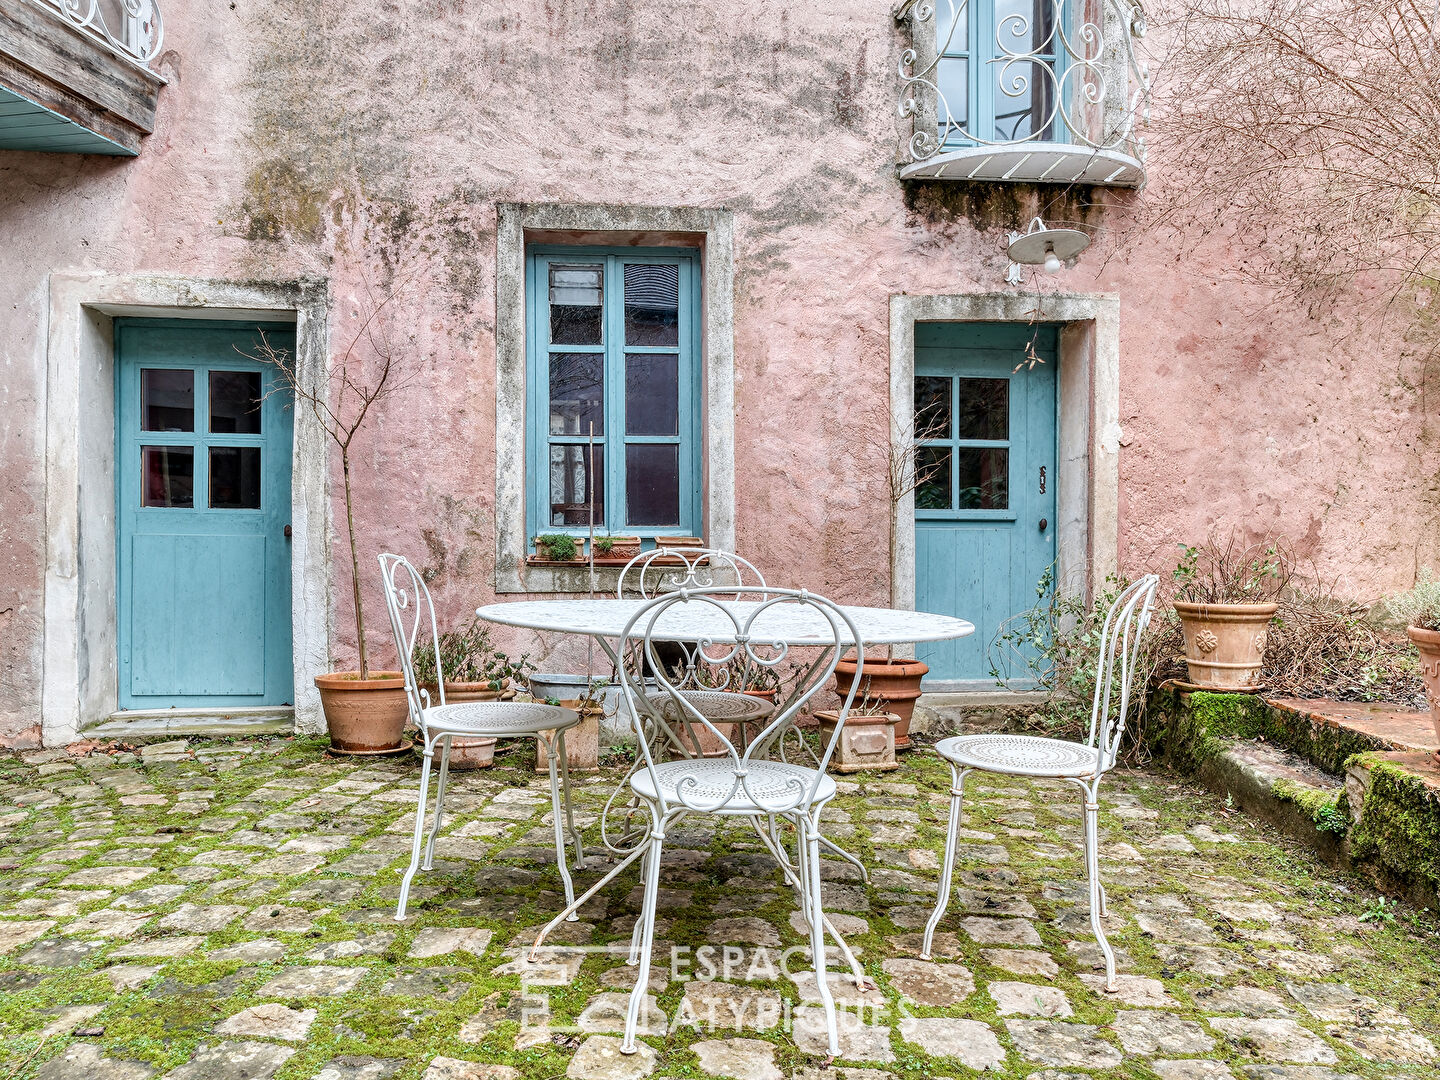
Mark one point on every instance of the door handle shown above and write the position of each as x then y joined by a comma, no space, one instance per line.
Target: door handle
1044,524
287,531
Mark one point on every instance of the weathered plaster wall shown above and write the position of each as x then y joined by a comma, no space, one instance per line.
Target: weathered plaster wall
360,141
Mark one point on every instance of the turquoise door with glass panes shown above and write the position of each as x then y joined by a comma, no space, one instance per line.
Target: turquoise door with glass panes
985,418
203,462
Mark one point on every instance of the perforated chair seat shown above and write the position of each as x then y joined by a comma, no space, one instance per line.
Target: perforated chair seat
708,780
723,705
498,719
1021,755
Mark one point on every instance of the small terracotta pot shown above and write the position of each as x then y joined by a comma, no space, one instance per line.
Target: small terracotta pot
891,684
363,716
867,743
470,753
1225,643
1428,644
582,742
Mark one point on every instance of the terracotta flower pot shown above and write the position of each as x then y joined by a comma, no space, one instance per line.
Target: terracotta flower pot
889,684
582,742
1428,643
1225,643
470,753
867,743
363,716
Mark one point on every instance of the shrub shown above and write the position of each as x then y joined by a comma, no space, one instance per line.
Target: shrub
467,655
1420,606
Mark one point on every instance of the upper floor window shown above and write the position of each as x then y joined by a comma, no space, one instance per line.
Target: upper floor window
613,391
1037,90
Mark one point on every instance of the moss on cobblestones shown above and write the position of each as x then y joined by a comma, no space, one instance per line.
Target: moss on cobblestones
1194,890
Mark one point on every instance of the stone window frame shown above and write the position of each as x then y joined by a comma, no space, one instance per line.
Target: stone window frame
521,224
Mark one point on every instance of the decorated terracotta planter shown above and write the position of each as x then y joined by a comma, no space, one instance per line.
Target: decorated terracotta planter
1428,644
867,743
1225,643
364,716
892,685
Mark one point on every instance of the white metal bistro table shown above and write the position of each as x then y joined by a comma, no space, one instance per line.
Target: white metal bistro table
789,626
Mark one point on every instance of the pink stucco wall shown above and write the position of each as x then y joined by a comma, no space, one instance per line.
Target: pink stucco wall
328,140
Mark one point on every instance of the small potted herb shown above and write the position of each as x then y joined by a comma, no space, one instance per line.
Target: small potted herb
556,547
616,549
1226,597
474,671
1420,610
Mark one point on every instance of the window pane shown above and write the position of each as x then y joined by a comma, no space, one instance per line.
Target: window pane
984,478
953,79
984,409
167,476
932,478
952,26
235,402
235,477
652,304
1025,26
932,407
576,293
1024,100
167,400
570,480
577,393
652,394
652,484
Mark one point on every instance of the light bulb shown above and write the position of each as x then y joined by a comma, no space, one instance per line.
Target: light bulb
1053,264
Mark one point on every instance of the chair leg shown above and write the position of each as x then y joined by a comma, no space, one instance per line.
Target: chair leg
429,863
1092,869
637,931
557,814
647,941
569,808
947,867
419,833
816,918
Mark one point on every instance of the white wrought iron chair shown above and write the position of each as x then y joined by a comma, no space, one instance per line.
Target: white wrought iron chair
736,784
408,600
1082,764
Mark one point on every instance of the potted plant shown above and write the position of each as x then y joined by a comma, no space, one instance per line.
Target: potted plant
365,710
474,671
891,682
867,742
1225,598
1420,610
615,549
556,547
582,742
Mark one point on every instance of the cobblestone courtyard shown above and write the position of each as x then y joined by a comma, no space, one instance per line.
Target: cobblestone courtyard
222,911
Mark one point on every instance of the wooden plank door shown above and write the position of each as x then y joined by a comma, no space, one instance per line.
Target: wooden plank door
985,400
203,442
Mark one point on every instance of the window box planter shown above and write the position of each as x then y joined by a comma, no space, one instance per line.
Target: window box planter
547,548
622,550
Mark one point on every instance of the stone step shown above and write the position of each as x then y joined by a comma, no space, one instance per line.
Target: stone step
140,724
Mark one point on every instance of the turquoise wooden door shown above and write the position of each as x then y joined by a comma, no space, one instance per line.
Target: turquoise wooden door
203,445
985,505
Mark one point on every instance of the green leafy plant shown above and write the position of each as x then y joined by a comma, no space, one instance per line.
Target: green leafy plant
1055,647
1419,606
1328,817
1380,910
558,547
604,545
467,655
1232,572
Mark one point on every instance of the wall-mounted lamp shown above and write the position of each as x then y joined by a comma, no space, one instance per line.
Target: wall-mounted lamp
1050,249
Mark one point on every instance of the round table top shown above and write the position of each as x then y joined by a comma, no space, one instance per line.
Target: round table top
787,623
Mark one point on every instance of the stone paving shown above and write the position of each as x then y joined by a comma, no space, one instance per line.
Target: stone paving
222,911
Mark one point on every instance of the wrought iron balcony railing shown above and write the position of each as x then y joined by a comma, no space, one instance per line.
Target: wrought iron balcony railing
1047,91
131,29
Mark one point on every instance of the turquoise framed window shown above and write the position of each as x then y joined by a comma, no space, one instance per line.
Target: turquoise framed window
613,391
986,93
